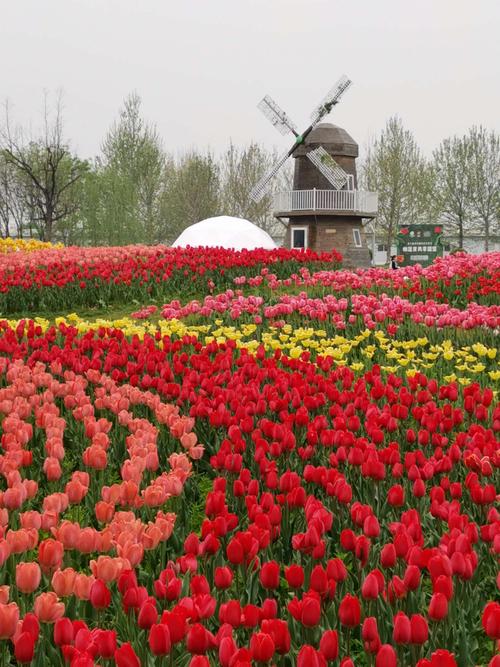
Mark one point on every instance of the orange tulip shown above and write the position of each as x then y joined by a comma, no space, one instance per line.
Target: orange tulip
105,568
133,552
9,617
50,554
52,469
4,594
188,440
76,491
4,551
151,537
14,497
28,577
68,533
154,495
82,585
31,519
104,511
56,502
88,540
82,477
49,520
95,457
48,608
22,540
63,582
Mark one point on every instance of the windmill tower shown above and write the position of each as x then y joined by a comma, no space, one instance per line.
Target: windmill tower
325,210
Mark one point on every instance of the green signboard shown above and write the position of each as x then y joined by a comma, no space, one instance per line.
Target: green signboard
419,244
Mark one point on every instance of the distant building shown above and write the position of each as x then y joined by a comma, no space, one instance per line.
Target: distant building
474,244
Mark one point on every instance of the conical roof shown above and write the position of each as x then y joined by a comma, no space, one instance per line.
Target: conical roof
334,139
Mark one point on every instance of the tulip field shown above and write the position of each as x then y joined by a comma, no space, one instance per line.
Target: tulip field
264,460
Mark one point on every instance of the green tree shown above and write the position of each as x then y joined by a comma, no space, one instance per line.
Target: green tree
241,169
133,159
395,168
454,184
485,179
192,192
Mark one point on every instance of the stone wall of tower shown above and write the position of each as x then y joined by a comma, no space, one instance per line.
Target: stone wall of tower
327,233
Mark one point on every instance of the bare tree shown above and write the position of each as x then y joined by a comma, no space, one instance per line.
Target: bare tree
46,167
241,169
14,207
485,177
454,186
394,167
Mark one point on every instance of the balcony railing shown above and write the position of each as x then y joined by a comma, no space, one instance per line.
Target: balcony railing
352,201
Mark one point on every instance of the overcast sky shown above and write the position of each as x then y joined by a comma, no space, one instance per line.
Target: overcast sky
201,66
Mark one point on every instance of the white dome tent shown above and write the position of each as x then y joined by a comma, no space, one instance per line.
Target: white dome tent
226,232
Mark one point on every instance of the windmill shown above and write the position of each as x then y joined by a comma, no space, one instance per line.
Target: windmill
319,157
325,210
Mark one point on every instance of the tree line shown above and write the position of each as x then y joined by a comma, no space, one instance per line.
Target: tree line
134,191
458,187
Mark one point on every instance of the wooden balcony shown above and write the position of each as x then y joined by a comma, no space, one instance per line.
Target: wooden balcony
325,202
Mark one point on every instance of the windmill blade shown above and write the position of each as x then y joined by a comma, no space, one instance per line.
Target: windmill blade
261,188
328,167
276,116
330,99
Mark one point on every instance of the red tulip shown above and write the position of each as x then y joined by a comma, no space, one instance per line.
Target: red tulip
329,645
199,661
105,641
278,629
148,615
262,646
370,587
223,577
197,640
31,624
159,639
311,611
386,656
491,620
270,575
388,556
176,623
438,607
419,629
125,656
63,631
100,595
24,648
401,633
350,611
227,649
309,657
294,574
440,658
